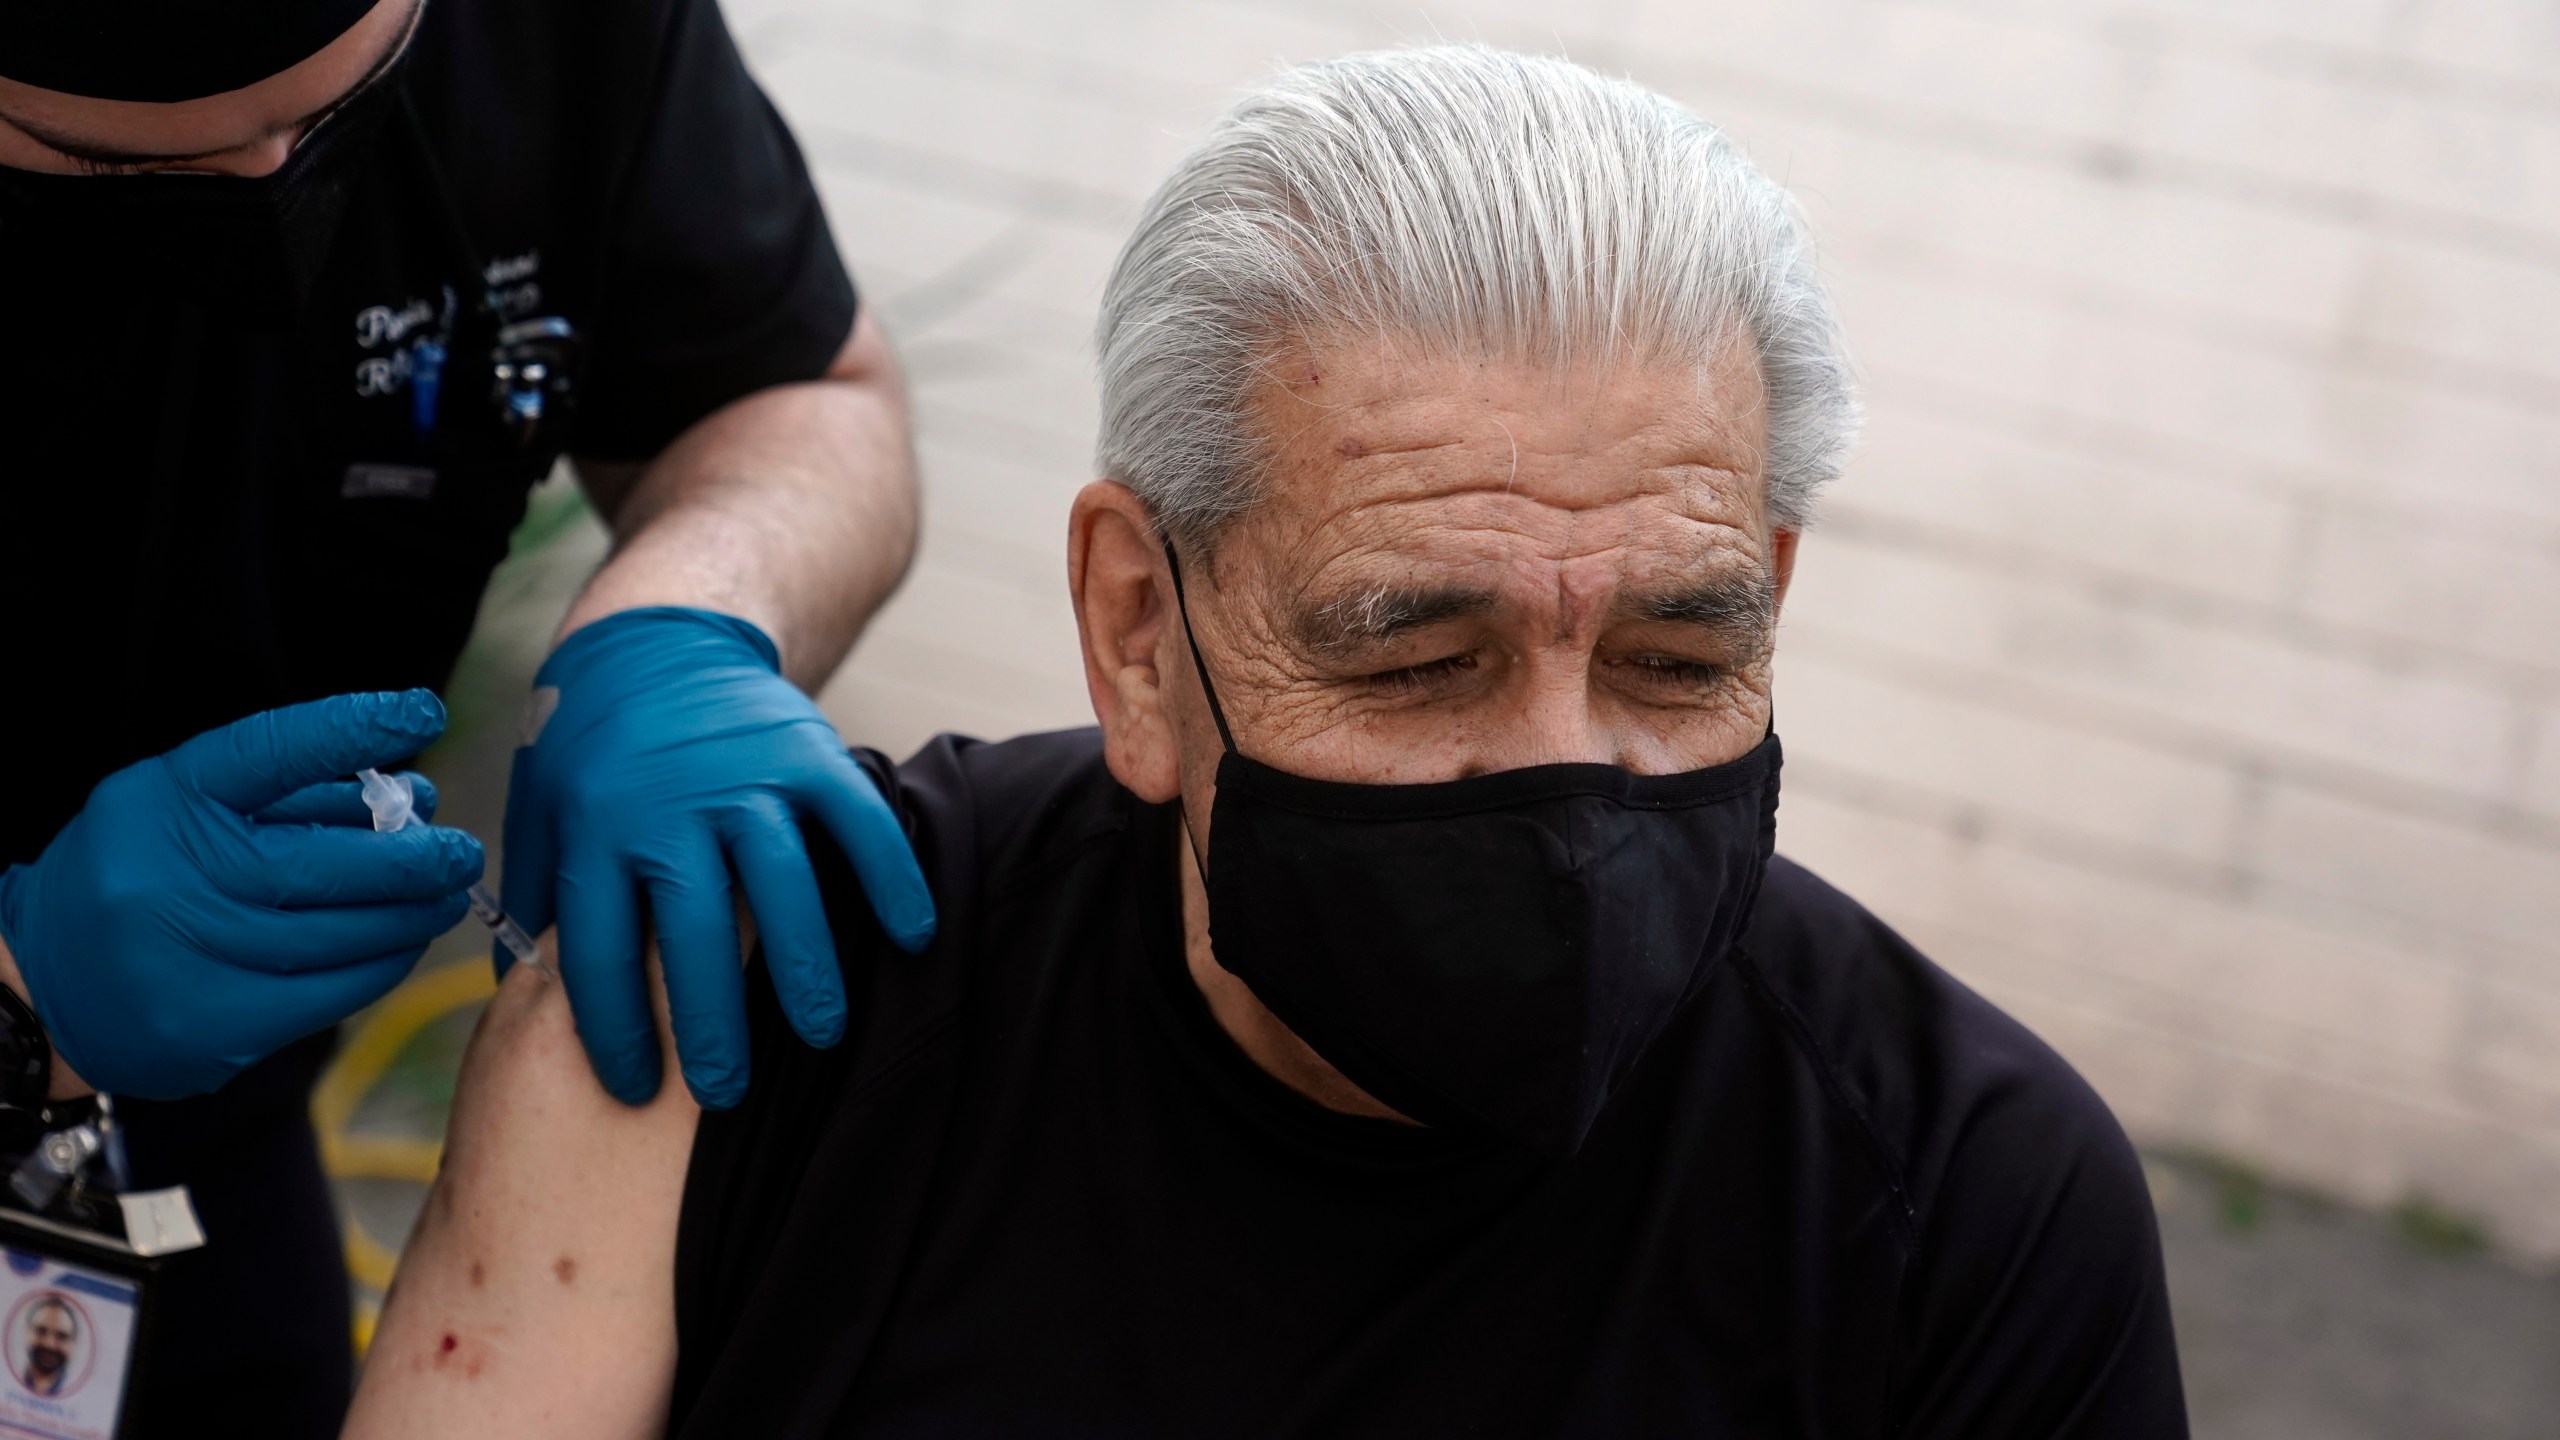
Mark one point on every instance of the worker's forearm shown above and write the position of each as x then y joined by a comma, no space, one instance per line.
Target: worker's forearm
794,508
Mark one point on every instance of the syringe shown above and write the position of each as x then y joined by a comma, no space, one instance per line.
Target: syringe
394,805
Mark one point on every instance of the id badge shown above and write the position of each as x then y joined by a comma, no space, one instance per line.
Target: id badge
74,1307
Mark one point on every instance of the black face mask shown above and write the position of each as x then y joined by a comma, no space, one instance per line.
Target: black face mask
246,248
1492,953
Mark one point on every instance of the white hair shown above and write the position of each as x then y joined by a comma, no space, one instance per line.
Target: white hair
1472,201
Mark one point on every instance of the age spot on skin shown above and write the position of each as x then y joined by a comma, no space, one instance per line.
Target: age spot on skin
565,1268
479,1273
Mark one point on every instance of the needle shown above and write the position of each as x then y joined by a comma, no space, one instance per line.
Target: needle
392,804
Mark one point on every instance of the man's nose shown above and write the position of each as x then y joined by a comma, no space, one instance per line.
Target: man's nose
1553,722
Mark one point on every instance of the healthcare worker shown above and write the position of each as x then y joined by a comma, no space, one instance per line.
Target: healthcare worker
300,298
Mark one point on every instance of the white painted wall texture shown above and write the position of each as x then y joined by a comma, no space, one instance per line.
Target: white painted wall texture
2179,661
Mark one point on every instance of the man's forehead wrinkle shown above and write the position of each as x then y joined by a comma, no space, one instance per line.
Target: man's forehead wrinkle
1383,465
1564,421
1323,475
1353,450
1474,496
1486,525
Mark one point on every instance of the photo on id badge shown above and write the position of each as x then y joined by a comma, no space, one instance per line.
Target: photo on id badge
68,1337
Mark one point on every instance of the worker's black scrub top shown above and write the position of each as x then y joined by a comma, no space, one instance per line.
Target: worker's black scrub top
199,520
1038,1193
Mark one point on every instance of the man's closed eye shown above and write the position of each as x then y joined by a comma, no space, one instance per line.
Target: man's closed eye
1413,679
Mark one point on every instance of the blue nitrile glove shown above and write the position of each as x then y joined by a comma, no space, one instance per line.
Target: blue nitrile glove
209,906
664,750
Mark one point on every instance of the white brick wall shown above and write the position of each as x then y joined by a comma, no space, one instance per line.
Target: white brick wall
2180,662
2542,763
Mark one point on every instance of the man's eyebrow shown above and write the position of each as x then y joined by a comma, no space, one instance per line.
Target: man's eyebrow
1382,612
1746,602
63,144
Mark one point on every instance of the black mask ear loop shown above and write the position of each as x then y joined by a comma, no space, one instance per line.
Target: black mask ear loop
1183,604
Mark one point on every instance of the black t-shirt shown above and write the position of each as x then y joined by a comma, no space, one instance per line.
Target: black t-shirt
1038,1192
199,520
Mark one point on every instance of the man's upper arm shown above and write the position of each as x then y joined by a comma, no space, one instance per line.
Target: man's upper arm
537,1295
2037,1305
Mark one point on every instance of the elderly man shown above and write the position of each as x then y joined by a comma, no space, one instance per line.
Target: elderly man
1391,1021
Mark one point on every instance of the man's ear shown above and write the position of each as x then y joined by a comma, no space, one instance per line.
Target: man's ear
1782,559
1116,572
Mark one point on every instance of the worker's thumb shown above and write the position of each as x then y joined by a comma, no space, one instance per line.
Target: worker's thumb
531,854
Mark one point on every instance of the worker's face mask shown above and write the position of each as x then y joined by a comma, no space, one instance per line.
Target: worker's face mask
1492,953
247,248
